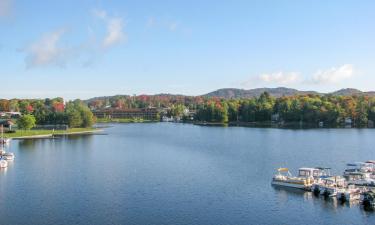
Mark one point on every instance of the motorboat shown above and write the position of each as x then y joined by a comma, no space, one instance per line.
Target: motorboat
368,199
4,141
364,167
304,180
3,163
8,156
350,193
329,186
360,178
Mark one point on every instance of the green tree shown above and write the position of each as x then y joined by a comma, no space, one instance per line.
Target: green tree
26,122
74,119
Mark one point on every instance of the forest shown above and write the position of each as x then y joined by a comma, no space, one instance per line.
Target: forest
309,108
51,111
330,109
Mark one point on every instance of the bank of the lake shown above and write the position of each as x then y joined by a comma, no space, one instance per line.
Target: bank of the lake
124,120
24,134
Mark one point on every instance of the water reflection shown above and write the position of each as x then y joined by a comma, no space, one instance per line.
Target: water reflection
323,201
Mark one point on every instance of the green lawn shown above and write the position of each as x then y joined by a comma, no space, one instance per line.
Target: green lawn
24,133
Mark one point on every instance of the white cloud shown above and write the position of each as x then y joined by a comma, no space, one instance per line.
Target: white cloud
46,51
102,14
5,7
280,77
170,25
115,33
115,28
276,78
334,74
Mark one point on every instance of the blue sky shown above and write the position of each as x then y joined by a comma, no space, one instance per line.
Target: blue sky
81,49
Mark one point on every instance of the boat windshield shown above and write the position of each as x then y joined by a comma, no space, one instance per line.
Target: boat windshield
304,173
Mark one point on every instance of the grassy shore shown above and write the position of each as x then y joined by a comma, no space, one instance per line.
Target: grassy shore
106,120
30,133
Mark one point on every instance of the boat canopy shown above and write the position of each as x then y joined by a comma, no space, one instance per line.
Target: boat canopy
308,168
323,168
283,170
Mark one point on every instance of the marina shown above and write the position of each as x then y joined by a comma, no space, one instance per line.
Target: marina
357,182
4,155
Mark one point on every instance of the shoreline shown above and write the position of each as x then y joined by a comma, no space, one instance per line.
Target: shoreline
53,135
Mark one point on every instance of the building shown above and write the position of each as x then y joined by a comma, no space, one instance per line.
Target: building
13,115
144,113
6,124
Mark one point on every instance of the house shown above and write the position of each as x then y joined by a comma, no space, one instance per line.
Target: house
7,124
10,114
144,113
348,121
275,117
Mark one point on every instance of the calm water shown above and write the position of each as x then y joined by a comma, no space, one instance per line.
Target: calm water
177,174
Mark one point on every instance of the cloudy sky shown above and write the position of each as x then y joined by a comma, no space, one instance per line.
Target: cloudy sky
83,48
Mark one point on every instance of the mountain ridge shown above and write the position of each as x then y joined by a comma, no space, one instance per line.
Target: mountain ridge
229,93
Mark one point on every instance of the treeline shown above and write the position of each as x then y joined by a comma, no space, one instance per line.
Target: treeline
331,110
144,101
51,111
310,108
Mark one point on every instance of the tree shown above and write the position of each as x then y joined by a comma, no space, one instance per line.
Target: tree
26,122
74,119
87,117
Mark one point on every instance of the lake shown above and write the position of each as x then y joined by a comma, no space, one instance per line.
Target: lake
167,173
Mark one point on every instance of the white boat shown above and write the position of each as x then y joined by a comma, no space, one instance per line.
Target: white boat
350,193
360,173
8,156
304,180
363,167
360,178
3,163
368,199
329,186
3,140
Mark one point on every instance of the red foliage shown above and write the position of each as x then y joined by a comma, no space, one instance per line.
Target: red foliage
30,108
58,107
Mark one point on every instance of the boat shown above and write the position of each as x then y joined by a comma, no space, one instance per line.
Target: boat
360,173
350,193
364,167
304,180
329,186
8,156
3,163
3,140
368,199
360,178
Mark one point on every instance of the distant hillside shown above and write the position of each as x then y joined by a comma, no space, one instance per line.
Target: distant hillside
241,93
352,91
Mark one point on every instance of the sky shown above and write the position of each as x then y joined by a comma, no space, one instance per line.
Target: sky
82,48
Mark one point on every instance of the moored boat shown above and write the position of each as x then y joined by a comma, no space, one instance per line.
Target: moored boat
329,186
304,180
3,163
8,156
368,199
350,193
